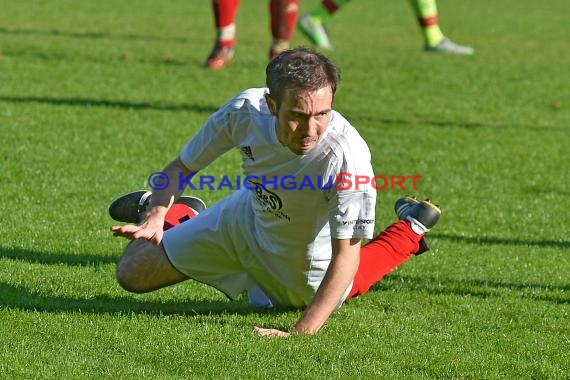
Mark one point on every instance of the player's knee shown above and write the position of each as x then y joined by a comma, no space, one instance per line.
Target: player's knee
130,271
129,280
142,268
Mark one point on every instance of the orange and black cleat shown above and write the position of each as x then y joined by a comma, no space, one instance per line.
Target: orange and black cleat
131,208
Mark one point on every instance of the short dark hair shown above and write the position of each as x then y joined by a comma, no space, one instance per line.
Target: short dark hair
300,68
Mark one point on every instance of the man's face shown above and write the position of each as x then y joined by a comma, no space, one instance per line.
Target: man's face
302,117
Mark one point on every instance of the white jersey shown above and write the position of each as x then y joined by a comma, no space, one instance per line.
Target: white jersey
295,204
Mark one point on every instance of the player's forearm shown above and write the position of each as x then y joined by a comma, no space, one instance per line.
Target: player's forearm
340,273
162,199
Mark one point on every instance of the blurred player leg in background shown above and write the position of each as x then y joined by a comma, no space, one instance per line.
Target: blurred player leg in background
312,24
435,41
224,15
283,22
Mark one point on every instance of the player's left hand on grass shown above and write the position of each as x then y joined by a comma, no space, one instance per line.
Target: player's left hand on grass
270,332
152,232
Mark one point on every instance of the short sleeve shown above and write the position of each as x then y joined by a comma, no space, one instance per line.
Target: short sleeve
213,139
352,198
352,207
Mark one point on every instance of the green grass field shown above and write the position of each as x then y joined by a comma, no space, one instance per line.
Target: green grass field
96,95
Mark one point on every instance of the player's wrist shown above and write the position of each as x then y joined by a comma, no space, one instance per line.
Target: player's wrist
302,328
156,213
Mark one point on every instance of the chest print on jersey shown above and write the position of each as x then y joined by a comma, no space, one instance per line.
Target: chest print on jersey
268,200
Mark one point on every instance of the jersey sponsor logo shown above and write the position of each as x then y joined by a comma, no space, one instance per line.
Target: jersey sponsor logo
269,201
362,222
265,197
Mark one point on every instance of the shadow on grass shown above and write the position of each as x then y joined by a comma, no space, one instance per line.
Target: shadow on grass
490,240
21,298
124,57
49,258
91,35
448,123
476,288
87,102
547,190
16,297
432,123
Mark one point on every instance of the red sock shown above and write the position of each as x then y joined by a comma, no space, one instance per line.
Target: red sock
283,18
177,214
428,21
383,254
224,14
330,5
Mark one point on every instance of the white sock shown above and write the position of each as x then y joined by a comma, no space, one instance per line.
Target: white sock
417,227
279,45
227,33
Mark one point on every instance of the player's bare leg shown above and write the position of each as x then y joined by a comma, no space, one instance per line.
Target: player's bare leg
145,267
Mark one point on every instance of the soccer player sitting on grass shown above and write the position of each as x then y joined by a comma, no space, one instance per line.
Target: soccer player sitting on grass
288,246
